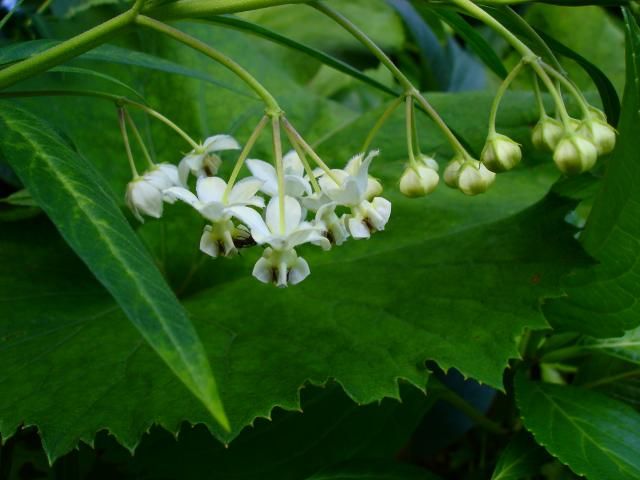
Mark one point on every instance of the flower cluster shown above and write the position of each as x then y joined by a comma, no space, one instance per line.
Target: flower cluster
323,207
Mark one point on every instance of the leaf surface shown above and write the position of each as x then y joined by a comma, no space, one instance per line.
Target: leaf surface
79,202
594,435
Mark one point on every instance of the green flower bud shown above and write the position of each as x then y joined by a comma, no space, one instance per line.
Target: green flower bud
575,154
600,133
597,113
500,153
419,181
547,133
452,170
428,161
474,178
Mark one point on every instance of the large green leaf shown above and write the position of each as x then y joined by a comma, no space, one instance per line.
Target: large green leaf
520,459
596,436
77,199
602,301
289,445
626,347
424,299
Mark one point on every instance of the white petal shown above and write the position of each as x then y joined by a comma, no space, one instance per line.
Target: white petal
292,215
210,189
292,164
178,193
253,220
263,270
383,207
218,143
208,244
354,163
144,198
262,170
214,211
301,236
358,229
299,271
244,190
171,172
183,171
296,186
349,194
362,177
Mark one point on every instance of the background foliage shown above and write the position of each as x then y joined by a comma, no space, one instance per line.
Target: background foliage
483,286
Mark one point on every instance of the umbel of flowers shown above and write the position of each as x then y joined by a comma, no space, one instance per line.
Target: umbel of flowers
275,207
297,199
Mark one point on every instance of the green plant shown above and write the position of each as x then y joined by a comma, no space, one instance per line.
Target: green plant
395,286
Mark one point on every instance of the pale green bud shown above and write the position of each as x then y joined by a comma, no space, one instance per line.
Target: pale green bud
474,178
418,181
597,113
600,133
452,170
575,154
500,153
428,161
547,133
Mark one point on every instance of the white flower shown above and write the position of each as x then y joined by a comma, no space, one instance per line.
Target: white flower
368,217
222,235
353,184
223,238
500,153
144,193
353,189
280,263
295,185
332,227
281,267
202,161
210,201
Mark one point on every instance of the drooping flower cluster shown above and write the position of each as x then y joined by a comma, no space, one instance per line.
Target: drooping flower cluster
323,209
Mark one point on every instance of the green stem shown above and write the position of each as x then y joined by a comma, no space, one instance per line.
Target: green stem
68,49
584,106
366,41
127,146
243,156
277,151
380,122
136,133
564,354
538,95
500,93
401,77
273,109
469,410
612,378
205,8
303,158
307,148
118,100
409,128
526,53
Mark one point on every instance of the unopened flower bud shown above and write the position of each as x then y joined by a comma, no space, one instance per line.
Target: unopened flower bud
547,133
474,178
418,181
600,133
428,161
452,171
144,198
575,154
597,113
500,153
